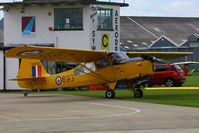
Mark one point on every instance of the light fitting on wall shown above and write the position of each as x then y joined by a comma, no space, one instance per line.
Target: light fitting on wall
49,13
22,11
50,28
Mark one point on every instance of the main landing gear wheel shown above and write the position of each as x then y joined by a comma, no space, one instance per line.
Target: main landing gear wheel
110,94
138,93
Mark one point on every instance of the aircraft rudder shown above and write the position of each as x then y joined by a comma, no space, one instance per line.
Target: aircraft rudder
30,68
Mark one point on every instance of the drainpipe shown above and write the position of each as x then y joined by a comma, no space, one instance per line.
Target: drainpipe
4,71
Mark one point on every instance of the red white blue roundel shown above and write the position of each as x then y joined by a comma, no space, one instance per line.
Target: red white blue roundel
58,80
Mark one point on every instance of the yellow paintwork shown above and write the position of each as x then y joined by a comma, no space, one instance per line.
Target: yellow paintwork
110,74
106,77
76,55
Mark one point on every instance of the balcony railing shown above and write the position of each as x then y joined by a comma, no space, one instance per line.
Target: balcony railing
75,1
115,1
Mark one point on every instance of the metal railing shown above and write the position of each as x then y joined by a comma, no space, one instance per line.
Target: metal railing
116,1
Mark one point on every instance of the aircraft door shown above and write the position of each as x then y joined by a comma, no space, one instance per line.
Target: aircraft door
119,72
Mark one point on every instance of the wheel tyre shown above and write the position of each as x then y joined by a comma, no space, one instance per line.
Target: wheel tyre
178,84
169,82
25,94
139,93
150,85
110,94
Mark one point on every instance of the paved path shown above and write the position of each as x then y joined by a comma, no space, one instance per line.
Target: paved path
62,113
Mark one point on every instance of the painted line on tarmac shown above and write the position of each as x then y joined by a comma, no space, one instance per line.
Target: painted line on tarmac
10,118
116,106
133,111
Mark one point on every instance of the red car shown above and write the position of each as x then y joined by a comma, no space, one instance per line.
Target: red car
168,74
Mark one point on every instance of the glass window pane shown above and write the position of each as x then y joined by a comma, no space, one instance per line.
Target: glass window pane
104,18
68,18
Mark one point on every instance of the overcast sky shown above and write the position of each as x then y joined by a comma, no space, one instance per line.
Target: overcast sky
164,8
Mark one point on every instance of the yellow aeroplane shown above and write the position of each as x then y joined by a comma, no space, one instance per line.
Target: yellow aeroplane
97,68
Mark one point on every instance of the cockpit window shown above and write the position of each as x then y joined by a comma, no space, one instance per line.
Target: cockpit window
118,57
82,70
103,63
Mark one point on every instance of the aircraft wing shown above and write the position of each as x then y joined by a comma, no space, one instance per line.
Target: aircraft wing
161,55
55,54
186,63
76,55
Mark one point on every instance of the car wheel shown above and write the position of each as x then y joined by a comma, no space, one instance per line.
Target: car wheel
138,94
169,82
110,94
150,85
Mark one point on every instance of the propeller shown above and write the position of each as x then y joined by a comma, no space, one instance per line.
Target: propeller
152,58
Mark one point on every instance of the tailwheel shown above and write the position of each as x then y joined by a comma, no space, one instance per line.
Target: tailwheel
110,94
138,93
26,93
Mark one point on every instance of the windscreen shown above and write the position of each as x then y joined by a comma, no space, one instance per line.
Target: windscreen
175,67
118,57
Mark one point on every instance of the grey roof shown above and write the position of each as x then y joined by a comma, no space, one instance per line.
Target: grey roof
142,31
194,38
163,41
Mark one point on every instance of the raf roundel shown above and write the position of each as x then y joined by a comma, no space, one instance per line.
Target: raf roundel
58,80
29,53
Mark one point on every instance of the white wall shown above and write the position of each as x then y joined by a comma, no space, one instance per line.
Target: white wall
114,35
65,39
12,66
1,70
62,39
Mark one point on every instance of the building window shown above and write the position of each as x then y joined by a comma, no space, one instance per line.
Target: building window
68,18
104,19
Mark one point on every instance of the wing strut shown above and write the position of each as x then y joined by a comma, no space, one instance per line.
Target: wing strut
97,75
83,65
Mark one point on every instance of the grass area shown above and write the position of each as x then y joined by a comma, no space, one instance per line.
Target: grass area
188,98
192,81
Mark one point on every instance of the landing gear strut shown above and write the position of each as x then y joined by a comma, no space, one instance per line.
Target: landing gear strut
110,94
138,93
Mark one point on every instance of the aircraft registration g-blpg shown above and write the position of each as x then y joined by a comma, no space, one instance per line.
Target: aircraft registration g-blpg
97,68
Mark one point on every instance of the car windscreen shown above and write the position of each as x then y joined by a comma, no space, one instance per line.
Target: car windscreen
175,67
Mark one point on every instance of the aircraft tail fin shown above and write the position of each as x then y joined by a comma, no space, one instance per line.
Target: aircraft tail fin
31,69
31,74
